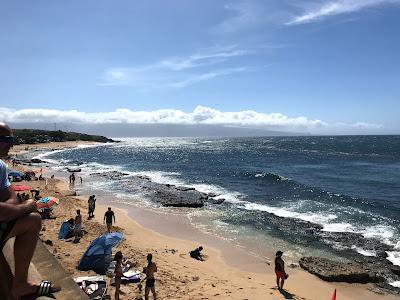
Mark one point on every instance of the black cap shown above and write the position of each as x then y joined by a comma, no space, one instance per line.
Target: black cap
278,253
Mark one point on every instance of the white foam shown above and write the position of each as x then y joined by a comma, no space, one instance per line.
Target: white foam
338,227
395,284
383,233
229,196
317,218
364,252
393,257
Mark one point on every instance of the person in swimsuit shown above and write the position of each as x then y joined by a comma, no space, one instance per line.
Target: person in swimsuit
280,270
19,220
150,280
118,274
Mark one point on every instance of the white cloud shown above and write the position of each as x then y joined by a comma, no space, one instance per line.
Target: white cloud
360,125
200,115
318,12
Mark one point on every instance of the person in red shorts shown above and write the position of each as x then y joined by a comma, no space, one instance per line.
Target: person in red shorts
280,270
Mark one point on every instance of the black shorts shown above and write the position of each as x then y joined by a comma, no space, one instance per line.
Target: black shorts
150,282
5,229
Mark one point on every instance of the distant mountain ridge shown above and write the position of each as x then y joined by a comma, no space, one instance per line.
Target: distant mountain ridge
36,136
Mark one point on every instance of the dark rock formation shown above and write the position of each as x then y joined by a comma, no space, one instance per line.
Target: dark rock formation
177,197
330,270
115,175
215,201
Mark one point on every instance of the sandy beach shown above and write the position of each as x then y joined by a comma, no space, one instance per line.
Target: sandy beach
223,275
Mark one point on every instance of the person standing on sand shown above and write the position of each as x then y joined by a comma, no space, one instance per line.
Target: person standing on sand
91,206
280,270
78,226
108,218
19,220
118,274
150,280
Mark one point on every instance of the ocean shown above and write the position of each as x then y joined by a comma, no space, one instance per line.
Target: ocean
332,196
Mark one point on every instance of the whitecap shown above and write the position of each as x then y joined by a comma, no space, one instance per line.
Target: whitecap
395,284
364,252
393,257
318,218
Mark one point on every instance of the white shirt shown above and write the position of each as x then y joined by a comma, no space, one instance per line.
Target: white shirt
4,182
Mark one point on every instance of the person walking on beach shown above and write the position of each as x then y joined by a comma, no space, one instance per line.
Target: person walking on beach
150,280
72,179
280,270
78,226
108,218
19,220
91,206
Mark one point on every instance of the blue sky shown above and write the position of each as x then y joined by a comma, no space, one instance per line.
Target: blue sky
318,66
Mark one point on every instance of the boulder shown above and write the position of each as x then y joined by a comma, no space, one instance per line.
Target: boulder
215,201
330,270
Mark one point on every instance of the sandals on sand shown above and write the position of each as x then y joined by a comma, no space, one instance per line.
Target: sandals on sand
45,288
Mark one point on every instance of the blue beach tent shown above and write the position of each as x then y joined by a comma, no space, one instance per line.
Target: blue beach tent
15,173
64,230
98,255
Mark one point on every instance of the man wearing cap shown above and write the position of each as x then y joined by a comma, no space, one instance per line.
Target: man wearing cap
280,270
19,220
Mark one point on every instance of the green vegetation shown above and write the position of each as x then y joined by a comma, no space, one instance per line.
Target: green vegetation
34,136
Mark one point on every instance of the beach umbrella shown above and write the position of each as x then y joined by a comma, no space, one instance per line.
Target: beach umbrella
15,173
334,295
47,202
97,255
21,187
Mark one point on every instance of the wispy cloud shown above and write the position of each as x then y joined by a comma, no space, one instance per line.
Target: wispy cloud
245,14
206,76
208,57
179,72
317,11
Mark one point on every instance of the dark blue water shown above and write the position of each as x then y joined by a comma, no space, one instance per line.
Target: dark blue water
343,183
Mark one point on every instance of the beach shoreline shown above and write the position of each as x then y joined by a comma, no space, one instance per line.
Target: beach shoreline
218,272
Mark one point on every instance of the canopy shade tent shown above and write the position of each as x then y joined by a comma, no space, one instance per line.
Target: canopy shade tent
21,187
98,255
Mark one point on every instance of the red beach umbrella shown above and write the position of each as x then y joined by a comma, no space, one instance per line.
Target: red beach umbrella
47,202
334,295
20,187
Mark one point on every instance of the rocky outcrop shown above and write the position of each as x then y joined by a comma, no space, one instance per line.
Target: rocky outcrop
166,194
173,196
115,175
330,270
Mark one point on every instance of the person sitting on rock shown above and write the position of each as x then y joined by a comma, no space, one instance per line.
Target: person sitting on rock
19,220
196,253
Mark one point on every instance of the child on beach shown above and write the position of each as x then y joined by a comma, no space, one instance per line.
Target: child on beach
118,274
196,253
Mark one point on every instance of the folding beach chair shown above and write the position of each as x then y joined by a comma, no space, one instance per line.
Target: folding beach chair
93,286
